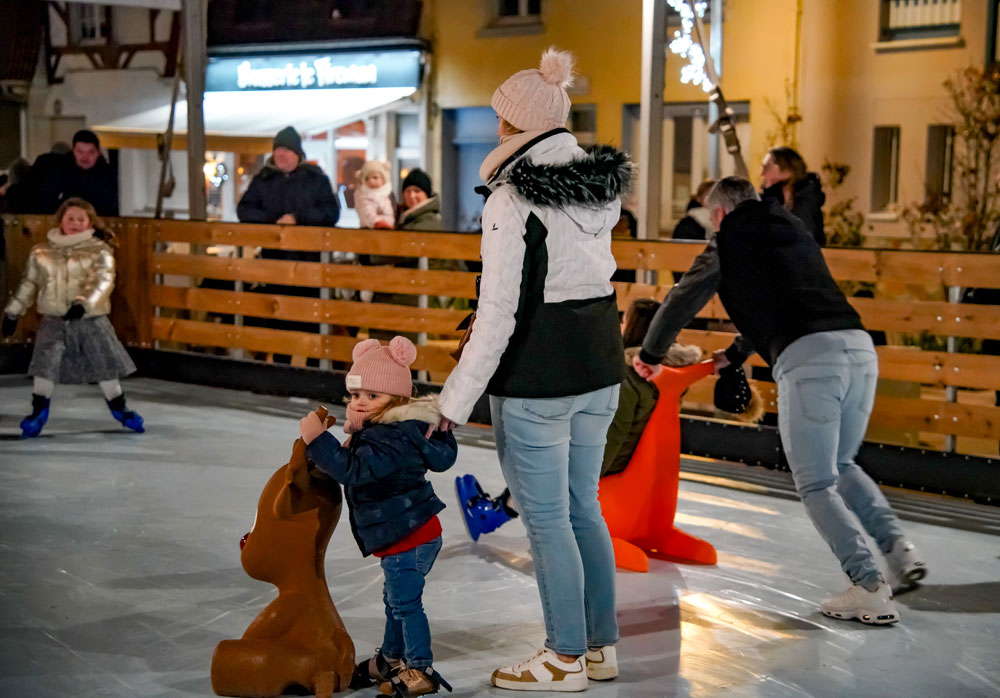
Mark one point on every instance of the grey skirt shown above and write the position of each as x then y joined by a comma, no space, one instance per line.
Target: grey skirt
79,351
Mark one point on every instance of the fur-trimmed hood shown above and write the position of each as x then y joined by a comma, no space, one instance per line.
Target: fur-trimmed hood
421,409
677,355
603,174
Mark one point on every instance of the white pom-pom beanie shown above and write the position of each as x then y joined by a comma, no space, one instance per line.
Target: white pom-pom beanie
536,100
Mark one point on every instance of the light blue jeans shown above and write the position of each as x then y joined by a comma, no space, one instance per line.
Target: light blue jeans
826,389
550,452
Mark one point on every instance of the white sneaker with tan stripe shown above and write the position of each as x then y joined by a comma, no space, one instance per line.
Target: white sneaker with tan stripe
543,672
602,663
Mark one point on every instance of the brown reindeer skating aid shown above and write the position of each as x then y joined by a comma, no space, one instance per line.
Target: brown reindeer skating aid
299,639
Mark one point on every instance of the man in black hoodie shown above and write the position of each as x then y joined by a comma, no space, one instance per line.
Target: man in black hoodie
81,173
774,283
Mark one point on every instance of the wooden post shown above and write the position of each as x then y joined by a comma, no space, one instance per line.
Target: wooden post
194,77
651,116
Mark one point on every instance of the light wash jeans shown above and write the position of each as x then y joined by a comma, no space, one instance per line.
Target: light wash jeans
407,633
550,452
826,389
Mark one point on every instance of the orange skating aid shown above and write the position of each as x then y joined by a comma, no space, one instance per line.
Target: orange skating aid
639,503
299,639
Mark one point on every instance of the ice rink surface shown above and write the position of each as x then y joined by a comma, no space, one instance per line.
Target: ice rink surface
120,572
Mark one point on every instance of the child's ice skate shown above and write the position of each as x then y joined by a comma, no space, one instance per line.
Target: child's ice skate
31,426
482,513
377,669
128,418
414,682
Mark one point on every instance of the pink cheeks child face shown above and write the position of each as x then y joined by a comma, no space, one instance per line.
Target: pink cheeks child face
374,180
75,220
366,402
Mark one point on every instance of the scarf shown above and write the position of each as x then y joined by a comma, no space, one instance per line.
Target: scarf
508,146
59,239
355,420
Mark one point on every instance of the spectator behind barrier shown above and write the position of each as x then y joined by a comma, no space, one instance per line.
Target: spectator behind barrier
697,224
784,178
56,176
373,199
289,190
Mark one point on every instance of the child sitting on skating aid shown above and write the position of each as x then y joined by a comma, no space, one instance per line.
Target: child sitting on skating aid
373,199
70,278
393,509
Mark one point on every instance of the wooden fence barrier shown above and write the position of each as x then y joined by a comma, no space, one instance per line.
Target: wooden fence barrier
927,397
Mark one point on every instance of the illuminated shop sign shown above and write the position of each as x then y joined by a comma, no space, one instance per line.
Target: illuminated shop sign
313,71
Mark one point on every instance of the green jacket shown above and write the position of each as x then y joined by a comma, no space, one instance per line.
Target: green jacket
635,405
426,216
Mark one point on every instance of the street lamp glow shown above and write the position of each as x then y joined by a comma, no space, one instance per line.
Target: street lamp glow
683,45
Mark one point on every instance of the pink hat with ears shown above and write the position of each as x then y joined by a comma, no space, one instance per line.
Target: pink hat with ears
382,369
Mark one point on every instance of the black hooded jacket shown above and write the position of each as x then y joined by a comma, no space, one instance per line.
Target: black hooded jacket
807,203
56,177
772,279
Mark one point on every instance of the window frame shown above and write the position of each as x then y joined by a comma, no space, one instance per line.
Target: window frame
887,181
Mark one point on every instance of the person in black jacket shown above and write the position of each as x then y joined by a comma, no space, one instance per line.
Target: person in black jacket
82,173
776,288
289,190
786,179
695,225
393,509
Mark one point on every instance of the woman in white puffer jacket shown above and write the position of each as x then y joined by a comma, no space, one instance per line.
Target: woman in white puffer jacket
546,346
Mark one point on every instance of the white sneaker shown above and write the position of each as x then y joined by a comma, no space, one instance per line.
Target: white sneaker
543,672
871,607
906,566
602,663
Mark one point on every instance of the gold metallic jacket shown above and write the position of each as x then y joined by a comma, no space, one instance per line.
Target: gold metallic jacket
67,268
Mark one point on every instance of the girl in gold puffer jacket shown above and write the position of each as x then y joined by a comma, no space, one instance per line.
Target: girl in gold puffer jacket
70,279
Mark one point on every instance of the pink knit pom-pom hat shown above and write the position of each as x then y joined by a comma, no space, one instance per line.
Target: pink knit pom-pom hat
536,100
382,369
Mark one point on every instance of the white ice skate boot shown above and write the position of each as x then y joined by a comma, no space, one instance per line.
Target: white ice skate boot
602,663
871,607
906,566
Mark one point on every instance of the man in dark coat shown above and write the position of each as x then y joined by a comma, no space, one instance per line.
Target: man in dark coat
82,173
289,190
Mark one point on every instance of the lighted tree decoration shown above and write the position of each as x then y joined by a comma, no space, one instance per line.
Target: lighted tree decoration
689,43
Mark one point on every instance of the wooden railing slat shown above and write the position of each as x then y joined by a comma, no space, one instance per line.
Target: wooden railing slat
934,416
350,313
294,237
454,284
337,348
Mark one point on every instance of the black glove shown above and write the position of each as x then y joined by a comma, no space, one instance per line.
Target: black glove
9,325
75,312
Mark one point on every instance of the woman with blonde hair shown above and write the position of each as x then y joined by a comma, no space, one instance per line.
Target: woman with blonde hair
70,277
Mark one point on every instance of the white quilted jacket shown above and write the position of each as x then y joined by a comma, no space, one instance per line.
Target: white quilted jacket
580,265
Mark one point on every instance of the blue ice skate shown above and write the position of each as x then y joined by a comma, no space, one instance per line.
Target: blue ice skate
31,426
482,514
128,418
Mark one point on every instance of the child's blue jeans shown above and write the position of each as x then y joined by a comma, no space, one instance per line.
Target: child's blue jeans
407,633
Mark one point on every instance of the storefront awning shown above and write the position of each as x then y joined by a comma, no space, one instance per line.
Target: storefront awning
256,96
263,114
